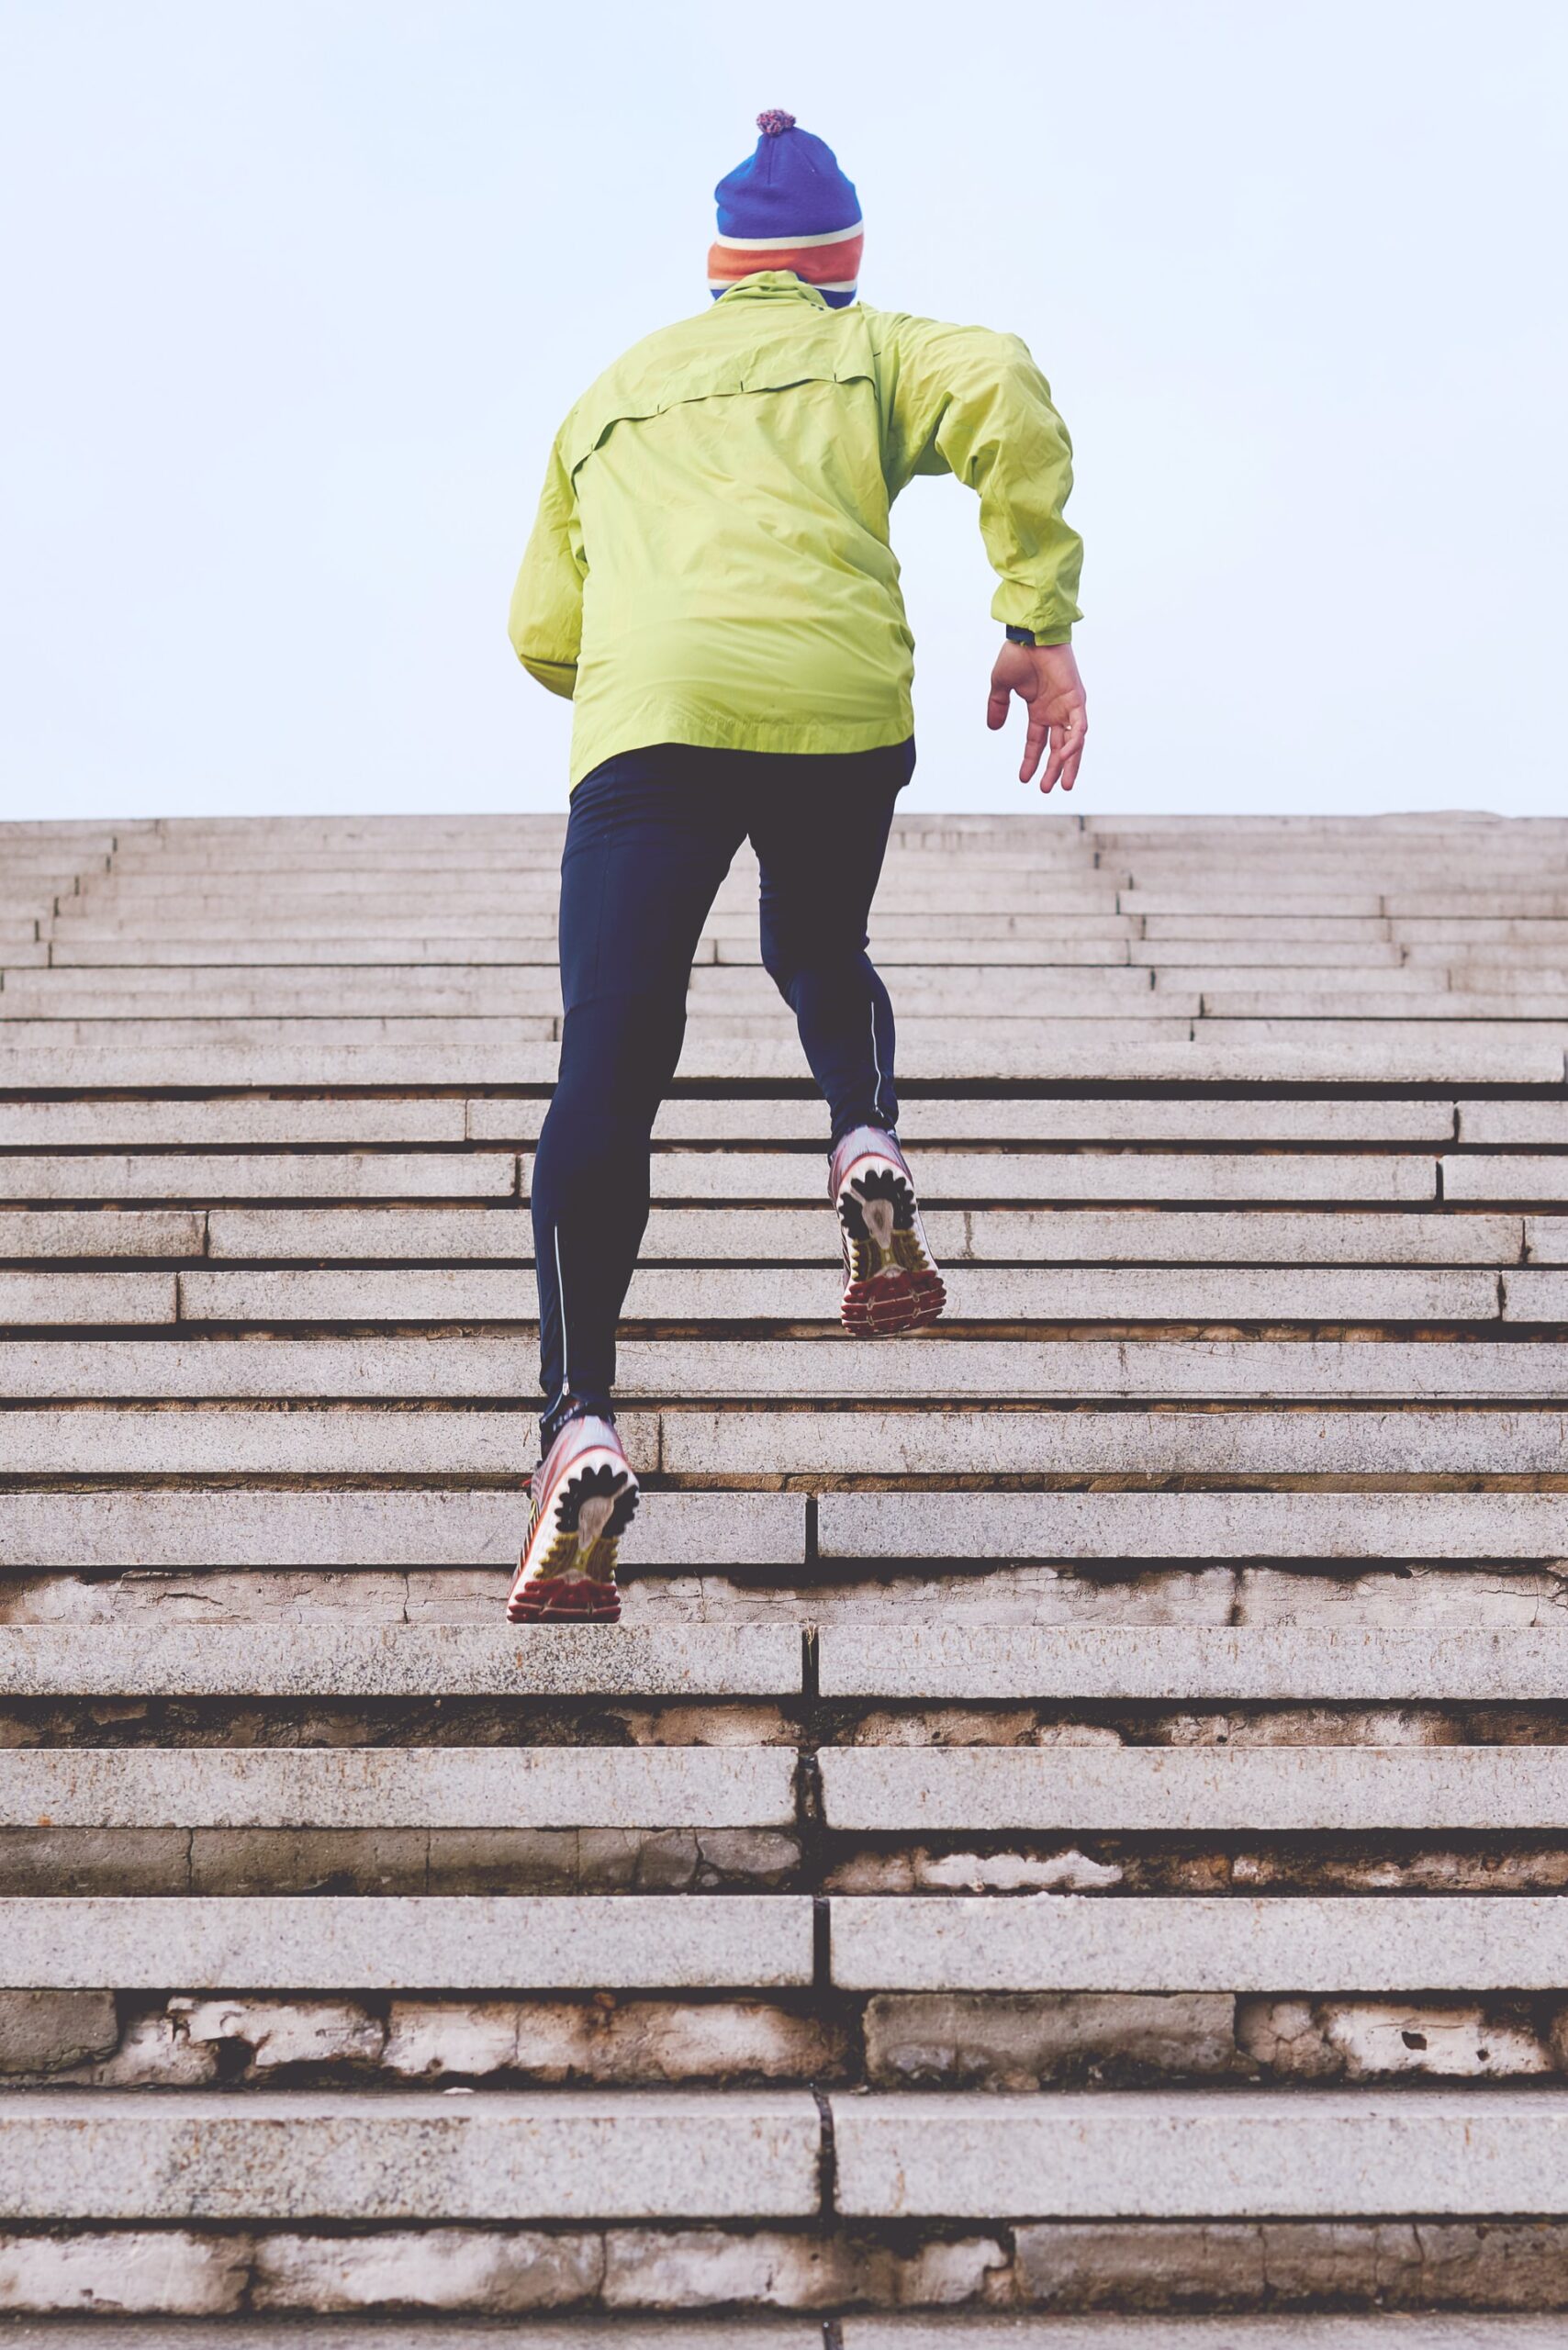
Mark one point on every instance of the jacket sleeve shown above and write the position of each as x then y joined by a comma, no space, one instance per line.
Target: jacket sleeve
963,400
546,622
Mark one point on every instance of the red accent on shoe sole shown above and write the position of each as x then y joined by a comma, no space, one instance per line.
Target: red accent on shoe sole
892,1304
559,1602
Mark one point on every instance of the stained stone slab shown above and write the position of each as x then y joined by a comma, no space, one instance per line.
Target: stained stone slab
1362,1663
1512,1121
1191,1525
1546,1239
1529,1176
1123,1444
458,1944
942,2331
1134,1175
747,1294
1059,1235
63,1298
940,1369
227,1121
226,1441
220,1526
570,2155
1180,1790
927,1120
1532,1296
354,1659
40,1233
1214,2156
1352,1055
1302,1946
259,1175
448,1787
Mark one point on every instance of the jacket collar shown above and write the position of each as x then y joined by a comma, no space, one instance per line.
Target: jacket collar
772,285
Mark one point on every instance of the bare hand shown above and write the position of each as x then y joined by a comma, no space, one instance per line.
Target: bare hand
1045,678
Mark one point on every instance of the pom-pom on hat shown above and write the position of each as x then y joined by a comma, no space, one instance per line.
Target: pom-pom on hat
788,206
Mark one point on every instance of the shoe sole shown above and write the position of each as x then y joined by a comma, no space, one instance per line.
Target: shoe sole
892,1304
593,1509
893,1285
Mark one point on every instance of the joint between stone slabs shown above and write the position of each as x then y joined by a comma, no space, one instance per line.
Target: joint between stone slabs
827,2156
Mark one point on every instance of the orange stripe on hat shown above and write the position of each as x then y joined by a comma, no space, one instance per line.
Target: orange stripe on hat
834,265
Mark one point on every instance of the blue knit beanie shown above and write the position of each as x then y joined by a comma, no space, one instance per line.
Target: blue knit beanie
788,206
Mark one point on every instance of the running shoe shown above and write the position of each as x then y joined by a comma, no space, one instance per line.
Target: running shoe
585,1496
890,1280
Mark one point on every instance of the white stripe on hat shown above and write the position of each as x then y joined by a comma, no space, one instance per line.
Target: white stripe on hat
777,244
819,284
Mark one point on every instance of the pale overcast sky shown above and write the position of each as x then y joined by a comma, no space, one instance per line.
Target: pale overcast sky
296,291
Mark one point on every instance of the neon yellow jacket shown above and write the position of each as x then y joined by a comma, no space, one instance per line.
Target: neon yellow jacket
711,562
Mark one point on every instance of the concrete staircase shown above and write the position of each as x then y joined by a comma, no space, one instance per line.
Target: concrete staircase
1067,1849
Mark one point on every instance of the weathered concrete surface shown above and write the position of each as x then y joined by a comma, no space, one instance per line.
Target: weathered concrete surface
824,1368
1151,1661
1173,1525
225,1527
1212,2154
1061,1942
350,1659
574,2155
1326,1790
536,1786
553,1943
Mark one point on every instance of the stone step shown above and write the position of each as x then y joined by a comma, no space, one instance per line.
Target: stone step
959,2330
110,1124
1064,1942
101,1233
571,2155
355,1660
1046,1235
1494,1176
1491,1122
554,1941
581,2156
993,1663
1533,1297
797,1178
475,1175
865,1525
974,1662
707,1293
1177,1790
104,2268
371,1787
972,1176
1212,2155
1527,1003
227,1440
60,1299
224,1526
628,1942
1227,1052
825,1368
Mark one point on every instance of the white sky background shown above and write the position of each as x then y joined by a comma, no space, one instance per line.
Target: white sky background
295,292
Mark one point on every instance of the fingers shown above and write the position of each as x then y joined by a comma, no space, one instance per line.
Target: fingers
1034,742
1068,738
996,707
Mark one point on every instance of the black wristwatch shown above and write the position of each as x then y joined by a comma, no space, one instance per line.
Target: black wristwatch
1020,636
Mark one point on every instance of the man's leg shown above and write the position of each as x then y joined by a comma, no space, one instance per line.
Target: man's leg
820,826
650,837
821,829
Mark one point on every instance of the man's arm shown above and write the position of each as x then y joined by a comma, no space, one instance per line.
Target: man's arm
963,400
546,622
